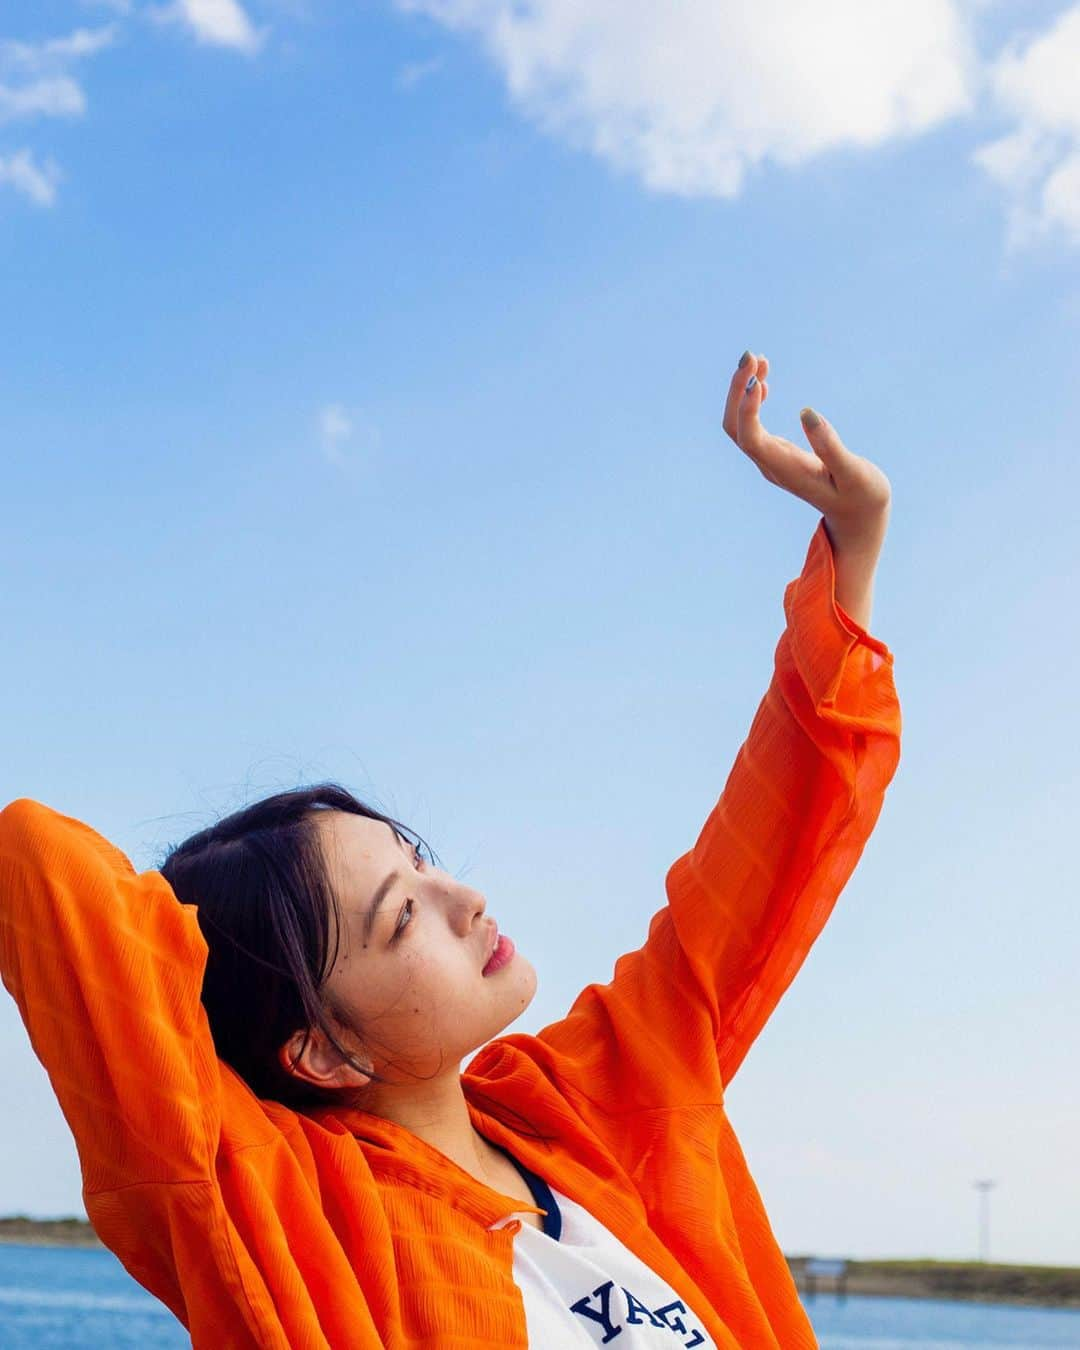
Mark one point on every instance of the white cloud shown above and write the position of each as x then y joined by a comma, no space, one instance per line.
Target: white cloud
35,81
335,428
34,76
38,56
58,96
416,72
217,23
36,181
83,42
347,441
1037,83
688,98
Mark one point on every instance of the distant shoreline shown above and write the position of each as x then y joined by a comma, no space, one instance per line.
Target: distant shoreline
48,1232
957,1281
965,1281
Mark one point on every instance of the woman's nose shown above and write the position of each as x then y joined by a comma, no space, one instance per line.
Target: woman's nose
466,905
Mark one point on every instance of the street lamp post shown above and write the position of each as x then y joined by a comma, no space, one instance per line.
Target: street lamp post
984,1188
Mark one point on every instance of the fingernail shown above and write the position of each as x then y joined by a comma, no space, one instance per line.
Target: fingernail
743,359
751,382
810,418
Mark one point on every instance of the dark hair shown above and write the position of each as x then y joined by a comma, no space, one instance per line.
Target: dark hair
273,926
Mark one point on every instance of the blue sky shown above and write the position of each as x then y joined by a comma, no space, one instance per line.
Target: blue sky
360,393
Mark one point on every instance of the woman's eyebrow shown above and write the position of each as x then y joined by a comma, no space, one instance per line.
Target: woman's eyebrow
381,894
376,901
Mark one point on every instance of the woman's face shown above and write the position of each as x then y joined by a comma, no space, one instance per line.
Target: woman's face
408,978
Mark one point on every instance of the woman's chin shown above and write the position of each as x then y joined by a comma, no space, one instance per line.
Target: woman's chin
519,991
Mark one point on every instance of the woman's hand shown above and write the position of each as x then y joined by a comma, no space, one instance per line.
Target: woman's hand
851,493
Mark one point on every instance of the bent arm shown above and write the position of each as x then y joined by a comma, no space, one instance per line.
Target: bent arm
106,968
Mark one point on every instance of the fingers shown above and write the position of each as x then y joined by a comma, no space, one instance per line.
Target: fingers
751,367
855,478
830,477
826,444
778,460
749,431
747,367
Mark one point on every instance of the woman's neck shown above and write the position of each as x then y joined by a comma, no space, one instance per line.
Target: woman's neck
436,1112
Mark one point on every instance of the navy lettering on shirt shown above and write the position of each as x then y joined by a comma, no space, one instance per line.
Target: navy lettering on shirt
636,1307
581,1307
639,1313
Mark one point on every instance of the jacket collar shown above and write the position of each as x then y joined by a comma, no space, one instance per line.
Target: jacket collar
513,1104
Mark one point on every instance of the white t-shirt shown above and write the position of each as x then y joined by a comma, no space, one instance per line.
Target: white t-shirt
581,1287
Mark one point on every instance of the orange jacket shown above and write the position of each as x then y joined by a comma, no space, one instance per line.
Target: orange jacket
261,1226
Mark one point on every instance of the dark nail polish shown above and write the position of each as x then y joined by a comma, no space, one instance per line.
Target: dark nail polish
751,382
743,359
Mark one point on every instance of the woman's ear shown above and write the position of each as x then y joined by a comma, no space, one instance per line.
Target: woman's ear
310,1056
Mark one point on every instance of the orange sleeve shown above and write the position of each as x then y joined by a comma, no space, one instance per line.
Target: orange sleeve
747,902
106,968
188,1177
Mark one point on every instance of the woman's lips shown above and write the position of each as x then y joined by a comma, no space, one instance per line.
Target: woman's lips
504,950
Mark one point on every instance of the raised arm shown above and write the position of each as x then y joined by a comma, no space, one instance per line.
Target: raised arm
747,902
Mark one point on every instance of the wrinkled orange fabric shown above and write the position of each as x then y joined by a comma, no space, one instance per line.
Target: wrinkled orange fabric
259,1226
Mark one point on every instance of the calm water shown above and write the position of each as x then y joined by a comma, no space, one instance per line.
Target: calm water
53,1297
63,1298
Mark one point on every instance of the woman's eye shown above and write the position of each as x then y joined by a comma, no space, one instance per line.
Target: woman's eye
418,860
406,917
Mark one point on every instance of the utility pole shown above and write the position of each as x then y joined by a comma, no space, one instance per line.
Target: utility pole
984,1188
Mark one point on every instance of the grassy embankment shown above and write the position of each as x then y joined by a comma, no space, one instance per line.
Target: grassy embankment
1049,1286
48,1232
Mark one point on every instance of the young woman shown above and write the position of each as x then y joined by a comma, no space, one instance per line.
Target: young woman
258,1047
